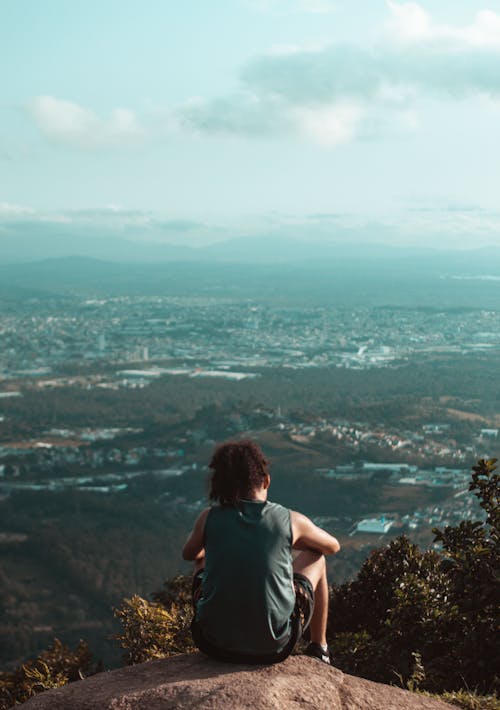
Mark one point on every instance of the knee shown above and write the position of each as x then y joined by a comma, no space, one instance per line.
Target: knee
318,570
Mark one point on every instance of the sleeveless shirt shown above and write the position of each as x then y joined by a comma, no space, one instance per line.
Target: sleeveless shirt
247,589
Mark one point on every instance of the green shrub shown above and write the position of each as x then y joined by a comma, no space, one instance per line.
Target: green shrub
467,700
54,667
151,631
176,591
438,608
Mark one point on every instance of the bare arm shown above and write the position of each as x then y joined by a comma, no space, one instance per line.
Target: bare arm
308,536
194,549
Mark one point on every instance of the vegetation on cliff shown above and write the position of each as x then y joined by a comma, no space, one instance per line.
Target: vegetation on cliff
435,612
424,620
55,667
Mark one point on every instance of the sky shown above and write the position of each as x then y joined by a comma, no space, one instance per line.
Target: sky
196,121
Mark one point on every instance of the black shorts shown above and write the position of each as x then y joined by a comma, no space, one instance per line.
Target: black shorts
301,618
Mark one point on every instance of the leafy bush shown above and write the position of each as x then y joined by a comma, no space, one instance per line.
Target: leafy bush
467,700
427,620
175,592
54,667
437,611
151,631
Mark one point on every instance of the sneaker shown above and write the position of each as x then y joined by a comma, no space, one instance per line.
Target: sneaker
316,651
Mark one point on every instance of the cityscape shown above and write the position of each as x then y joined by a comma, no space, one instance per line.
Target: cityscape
126,343
203,334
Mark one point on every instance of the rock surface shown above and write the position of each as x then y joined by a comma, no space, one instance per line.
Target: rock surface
193,681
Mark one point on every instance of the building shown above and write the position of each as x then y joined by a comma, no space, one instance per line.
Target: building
375,525
489,433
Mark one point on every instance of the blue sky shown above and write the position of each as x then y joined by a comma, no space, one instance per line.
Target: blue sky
201,120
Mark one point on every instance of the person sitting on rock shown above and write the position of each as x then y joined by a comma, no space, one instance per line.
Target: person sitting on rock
252,600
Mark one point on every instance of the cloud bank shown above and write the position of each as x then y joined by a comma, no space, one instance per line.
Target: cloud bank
335,93
330,95
69,122
446,224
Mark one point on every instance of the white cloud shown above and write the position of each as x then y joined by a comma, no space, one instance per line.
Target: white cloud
485,31
71,123
314,7
55,219
417,57
329,125
244,113
338,92
283,50
331,94
457,225
7,209
409,22
111,215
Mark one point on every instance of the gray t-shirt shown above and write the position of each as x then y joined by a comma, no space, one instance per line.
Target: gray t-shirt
247,590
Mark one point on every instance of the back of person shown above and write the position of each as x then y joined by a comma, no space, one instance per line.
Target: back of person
247,596
252,603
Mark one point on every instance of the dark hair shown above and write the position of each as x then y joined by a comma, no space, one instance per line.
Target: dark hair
238,468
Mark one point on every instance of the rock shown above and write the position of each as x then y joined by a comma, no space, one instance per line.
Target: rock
194,681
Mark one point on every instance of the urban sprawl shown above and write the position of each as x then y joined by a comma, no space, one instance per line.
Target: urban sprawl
132,342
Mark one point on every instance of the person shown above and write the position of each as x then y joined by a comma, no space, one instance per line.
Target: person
253,598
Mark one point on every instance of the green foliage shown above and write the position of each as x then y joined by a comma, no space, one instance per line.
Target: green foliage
151,631
54,668
418,673
471,553
175,592
467,700
427,618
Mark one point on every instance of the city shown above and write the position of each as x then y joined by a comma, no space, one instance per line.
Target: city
111,406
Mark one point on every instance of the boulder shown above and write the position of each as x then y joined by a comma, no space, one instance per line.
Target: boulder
194,681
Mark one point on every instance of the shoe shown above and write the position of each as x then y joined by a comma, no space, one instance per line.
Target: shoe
316,651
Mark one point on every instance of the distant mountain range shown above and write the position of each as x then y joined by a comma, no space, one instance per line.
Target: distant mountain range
262,249
282,272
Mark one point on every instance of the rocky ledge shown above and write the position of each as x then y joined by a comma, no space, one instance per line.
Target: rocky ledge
194,681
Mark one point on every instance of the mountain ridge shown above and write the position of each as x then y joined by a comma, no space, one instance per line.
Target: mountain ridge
270,248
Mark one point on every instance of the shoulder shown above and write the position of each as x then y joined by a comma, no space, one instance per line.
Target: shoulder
278,511
300,524
213,512
281,517
270,505
202,518
298,520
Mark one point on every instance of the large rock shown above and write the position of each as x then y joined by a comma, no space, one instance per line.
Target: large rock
193,681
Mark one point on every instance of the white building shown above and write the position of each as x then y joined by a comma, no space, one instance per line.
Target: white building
375,525
491,433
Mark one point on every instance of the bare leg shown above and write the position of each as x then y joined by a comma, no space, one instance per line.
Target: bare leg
313,566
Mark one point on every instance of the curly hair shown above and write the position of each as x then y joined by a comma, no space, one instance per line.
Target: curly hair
238,468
